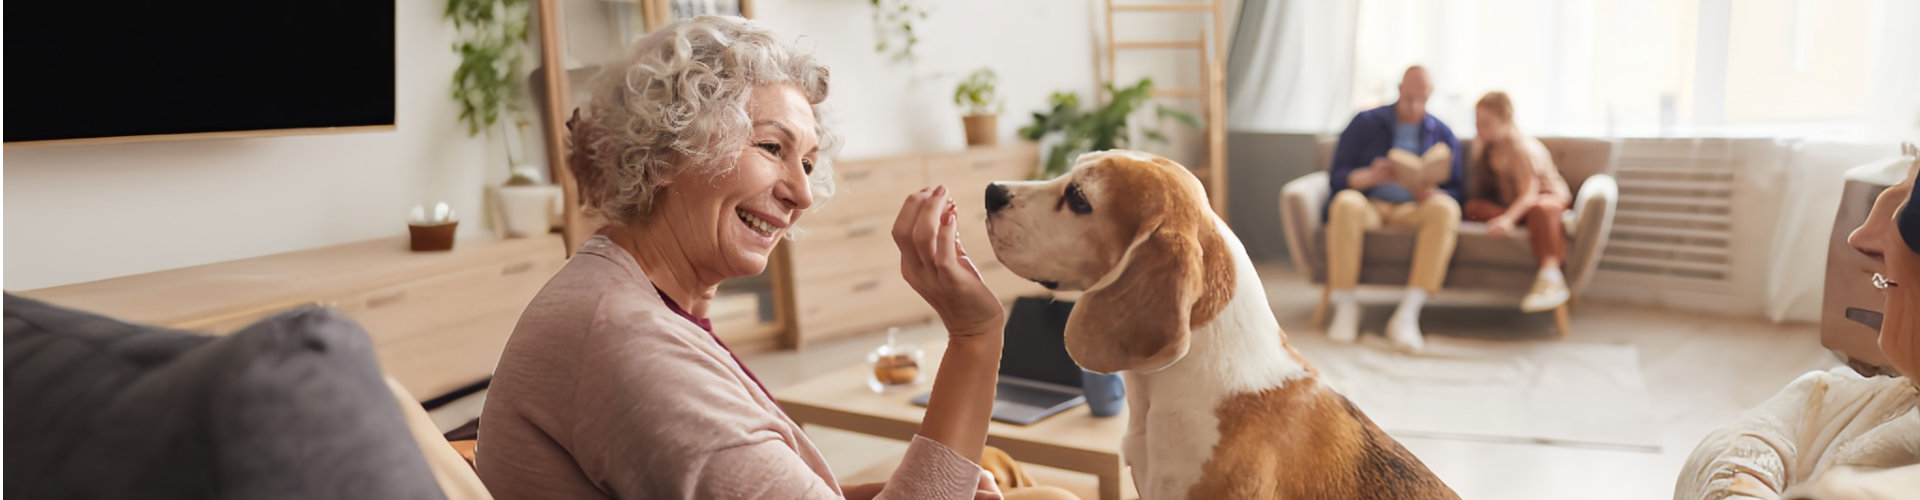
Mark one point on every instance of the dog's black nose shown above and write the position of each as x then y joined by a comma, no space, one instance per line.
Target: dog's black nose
997,197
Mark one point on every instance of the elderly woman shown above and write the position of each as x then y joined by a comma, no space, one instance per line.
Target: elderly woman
1836,435
701,152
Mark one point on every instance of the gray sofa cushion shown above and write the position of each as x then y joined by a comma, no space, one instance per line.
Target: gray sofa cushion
291,407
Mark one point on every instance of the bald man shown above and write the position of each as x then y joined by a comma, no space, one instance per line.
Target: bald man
1367,196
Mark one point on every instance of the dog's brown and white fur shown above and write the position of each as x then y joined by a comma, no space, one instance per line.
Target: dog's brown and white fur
1220,406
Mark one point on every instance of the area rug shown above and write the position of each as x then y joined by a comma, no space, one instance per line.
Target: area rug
1541,392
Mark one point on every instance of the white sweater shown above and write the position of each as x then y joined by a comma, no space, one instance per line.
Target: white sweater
1826,436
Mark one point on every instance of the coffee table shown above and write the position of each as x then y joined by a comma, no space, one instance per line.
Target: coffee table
1073,440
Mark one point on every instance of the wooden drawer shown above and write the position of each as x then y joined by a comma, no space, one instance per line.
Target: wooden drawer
230,322
967,175
467,314
836,248
855,303
973,235
452,355
870,186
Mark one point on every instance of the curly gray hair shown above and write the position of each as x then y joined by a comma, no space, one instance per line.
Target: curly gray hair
678,105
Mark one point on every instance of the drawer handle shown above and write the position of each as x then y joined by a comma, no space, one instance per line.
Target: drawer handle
855,175
516,268
385,300
866,285
861,231
983,164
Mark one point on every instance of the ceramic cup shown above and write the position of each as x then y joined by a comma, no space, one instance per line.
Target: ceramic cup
1106,394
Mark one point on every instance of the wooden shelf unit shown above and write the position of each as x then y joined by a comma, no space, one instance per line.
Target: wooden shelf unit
438,320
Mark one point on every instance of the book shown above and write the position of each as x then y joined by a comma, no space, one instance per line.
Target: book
1430,169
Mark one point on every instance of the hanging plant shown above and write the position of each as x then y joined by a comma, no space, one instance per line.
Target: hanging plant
491,34
893,22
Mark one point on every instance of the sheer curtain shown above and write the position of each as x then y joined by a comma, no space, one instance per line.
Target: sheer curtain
1588,67
1291,66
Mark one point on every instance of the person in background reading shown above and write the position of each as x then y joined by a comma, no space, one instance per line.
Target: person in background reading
1835,435
1527,189
701,151
1367,195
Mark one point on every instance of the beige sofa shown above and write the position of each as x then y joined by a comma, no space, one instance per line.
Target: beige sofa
1480,262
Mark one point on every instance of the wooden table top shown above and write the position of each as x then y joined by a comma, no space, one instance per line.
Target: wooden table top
844,392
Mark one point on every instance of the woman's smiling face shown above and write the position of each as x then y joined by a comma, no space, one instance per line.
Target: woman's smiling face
729,223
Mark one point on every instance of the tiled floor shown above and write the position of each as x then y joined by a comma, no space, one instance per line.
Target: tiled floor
1700,371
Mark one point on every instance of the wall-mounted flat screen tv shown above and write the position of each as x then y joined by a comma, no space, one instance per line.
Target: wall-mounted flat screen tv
117,69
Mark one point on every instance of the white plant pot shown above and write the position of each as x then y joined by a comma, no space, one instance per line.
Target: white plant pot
523,211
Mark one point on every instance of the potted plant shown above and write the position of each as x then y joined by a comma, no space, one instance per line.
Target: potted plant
978,97
1066,131
492,42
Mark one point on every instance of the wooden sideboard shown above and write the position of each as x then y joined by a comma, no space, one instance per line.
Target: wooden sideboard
845,271
438,320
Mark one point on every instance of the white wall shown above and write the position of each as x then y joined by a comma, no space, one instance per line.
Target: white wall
82,213
884,108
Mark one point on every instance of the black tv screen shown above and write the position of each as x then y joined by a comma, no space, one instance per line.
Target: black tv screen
115,68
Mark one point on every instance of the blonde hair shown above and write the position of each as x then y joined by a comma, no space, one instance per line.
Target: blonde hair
1498,103
677,105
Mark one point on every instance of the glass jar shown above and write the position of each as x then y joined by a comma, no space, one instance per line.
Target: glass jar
894,365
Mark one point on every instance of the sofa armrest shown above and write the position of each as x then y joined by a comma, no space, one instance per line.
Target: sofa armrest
1590,225
1301,201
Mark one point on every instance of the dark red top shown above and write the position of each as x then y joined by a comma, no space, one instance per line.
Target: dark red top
706,324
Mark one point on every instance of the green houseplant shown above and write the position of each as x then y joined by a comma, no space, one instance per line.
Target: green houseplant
978,97
492,36
1080,131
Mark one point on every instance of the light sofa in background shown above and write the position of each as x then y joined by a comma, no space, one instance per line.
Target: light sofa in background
1480,262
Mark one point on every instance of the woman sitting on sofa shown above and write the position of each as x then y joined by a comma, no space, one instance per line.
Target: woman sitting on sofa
1836,435
1527,189
700,152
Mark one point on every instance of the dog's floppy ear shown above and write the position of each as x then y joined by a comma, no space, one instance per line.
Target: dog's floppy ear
1140,321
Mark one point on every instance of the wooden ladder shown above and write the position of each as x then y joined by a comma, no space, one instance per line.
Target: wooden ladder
1212,92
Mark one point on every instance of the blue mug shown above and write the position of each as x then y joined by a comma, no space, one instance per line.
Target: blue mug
1106,393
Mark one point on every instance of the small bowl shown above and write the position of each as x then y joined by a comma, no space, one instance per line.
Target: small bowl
434,238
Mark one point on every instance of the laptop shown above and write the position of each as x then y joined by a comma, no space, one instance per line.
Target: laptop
1037,377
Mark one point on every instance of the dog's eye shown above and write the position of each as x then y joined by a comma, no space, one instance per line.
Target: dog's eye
1076,201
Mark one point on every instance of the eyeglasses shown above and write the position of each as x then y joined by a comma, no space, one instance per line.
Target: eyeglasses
1882,283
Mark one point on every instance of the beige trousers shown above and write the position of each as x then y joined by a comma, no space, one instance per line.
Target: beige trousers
1350,217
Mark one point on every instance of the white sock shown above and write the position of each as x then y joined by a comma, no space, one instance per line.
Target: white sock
1411,304
1344,326
1403,329
1552,275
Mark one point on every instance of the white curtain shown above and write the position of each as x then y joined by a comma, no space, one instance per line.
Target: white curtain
1291,66
1809,198
1586,67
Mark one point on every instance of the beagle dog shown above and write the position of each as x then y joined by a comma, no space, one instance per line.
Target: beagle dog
1220,405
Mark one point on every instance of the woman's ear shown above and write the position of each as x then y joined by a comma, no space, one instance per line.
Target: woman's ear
1140,321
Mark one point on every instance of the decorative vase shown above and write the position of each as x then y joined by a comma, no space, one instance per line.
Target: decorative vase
982,130
522,211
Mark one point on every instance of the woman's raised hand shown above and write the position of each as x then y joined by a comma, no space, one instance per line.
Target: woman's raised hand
937,267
